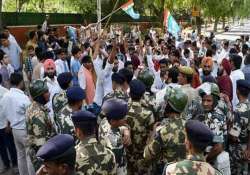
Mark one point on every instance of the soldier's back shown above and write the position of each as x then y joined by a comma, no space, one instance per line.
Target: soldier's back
191,167
92,158
59,101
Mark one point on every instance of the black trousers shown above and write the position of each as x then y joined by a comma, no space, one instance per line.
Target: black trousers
7,144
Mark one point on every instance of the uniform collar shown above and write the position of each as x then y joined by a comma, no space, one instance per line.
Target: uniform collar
42,107
196,157
89,140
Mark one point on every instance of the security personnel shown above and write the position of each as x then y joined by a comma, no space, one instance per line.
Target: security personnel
60,100
148,101
198,137
166,143
239,133
75,96
39,125
58,156
216,115
92,157
141,121
112,130
185,78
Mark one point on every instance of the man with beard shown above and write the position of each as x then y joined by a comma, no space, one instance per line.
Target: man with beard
86,79
223,79
14,105
207,68
50,77
39,125
215,114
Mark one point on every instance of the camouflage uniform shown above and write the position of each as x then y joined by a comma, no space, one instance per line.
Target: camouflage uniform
64,121
92,158
39,129
112,138
215,120
148,101
168,144
240,130
59,101
116,94
141,121
193,165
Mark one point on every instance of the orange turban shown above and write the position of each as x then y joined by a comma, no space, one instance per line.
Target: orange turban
49,63
207,61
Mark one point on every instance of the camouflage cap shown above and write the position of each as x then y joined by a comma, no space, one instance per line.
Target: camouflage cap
186,70
176,98
146,77
209,89
37,88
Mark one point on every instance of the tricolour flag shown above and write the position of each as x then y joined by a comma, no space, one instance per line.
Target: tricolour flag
128,8
171,24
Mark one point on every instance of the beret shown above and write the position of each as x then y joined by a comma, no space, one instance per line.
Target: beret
83,116
243,83
118,78
115,109
186,70
64,78
75,93
199,134
58,146
137,87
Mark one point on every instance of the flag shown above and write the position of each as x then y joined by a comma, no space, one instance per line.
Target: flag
171,24
128,8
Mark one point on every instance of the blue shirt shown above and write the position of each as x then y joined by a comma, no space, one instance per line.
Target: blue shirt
75,67
13,51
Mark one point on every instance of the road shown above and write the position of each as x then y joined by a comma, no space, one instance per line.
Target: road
235,32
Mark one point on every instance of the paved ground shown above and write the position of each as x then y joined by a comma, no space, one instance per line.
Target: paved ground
236,31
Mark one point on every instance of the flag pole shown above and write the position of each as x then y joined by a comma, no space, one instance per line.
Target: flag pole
108,15
106,25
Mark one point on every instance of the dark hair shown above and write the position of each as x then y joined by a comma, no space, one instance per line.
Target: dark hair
128,75
135,97
119,79
88,128
247,59
6,27
3,36
176,53
127,63
233,51
243,91
39,53
2,53
40,34
164,61
86,59
59,51
209,53
247,38
32,34
16,79
236,59
86,45
39,27
226,43
109,47
75,50
186,51
173,74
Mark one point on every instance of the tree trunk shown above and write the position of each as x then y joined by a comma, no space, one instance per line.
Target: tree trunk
216,24
1,22
198,24
223,22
